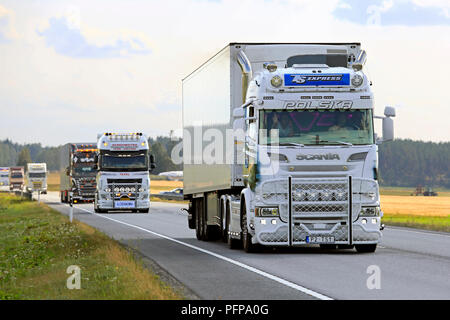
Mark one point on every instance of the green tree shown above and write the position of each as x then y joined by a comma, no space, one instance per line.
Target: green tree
24,157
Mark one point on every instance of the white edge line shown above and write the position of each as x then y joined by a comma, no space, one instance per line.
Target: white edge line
237,263
413,231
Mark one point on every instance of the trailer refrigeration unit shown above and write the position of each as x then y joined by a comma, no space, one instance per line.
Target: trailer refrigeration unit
279,147
123,180
4,178
80,173
16,178
37,177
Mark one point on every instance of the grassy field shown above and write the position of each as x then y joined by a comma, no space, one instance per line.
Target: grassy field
38,244
53,181
432,213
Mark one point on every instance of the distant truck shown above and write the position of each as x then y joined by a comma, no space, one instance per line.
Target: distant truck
80,173
4,177
299,160
123,180
16,178
37,177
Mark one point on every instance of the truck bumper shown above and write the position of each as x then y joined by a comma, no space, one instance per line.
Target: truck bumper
274,232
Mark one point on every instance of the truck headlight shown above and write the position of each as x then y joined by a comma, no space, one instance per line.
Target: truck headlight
357,80
127,189
276,81
107,190
133,189
369,212
141,190
266,212
116,189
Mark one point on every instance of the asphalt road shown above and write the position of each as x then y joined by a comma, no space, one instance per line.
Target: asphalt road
412,264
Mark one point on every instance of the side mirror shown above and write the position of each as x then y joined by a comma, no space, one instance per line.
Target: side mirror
388,129
152,162
238,113
67,171
389,111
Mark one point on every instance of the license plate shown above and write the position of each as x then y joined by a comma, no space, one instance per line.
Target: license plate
319,239
124,204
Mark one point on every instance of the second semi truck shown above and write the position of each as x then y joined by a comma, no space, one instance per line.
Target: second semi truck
279,147
79,175
123,180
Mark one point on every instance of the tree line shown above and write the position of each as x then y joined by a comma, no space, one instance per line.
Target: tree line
402,162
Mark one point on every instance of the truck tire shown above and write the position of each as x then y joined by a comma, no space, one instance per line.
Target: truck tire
366,248
144,210
226,222
198,219
246,236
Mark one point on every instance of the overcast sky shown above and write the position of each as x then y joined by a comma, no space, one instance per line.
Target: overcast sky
72,69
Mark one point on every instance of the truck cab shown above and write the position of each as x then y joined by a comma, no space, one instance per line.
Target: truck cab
37,177
123,180
16,178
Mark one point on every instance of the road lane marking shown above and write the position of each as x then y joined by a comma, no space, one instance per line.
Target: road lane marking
237,263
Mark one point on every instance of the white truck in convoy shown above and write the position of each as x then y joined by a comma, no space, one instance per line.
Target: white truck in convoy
279,147
123,165
37,177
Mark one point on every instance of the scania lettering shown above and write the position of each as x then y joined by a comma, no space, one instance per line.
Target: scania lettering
80,172
37,177
302,168
123,181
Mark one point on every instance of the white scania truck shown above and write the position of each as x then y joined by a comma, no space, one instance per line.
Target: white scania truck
123,165
279,147
37,177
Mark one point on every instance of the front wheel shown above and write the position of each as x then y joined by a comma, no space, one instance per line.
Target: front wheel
144,210
365,248
246,236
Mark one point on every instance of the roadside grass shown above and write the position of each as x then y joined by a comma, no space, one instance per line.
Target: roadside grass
38,244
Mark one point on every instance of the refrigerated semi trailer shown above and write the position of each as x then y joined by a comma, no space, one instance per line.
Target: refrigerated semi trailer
123,180
80,173
279,147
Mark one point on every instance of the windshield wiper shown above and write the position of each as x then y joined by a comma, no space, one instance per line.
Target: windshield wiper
292,144
340,142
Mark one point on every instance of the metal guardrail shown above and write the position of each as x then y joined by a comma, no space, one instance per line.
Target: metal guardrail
167,197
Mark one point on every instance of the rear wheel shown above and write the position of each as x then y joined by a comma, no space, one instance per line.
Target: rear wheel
144,210
198,219
365,248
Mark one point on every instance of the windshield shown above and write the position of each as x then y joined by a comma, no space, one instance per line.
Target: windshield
316,127
137,161
4,175
36,174
16,175
85,170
